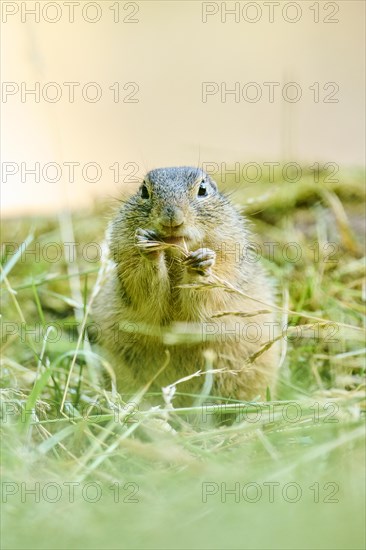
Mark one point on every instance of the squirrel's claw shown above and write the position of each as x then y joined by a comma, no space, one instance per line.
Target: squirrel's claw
147,241
145,235
201,261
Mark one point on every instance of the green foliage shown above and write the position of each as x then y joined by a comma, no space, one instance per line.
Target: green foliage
160,478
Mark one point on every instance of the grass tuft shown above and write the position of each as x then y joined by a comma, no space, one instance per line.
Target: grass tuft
285,473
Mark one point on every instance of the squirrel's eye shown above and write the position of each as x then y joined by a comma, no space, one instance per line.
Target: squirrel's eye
144,192
202,190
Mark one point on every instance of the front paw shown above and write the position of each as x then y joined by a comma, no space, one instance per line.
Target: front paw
201,261
148,243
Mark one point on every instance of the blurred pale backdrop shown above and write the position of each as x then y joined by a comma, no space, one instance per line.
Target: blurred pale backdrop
160,54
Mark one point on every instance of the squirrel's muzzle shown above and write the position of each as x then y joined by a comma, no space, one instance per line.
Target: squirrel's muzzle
171,217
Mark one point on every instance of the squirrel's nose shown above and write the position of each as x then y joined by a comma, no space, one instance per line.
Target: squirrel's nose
172,217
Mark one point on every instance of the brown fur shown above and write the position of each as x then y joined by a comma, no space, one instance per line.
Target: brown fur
144,292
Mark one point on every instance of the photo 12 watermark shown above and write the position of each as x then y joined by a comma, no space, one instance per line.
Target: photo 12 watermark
269,491
249,172
69,92
292,252
290,412
70,12
269,92
70,171
72,492
270,12
249,331
271,171
122,413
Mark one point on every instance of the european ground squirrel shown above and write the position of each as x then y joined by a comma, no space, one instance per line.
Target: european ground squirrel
181,281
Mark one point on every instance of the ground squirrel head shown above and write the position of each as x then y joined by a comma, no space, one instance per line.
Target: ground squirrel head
180,202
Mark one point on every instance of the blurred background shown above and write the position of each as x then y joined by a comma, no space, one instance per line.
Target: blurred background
93,95
145,87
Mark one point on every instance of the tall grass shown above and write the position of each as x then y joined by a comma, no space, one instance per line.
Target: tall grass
84,468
